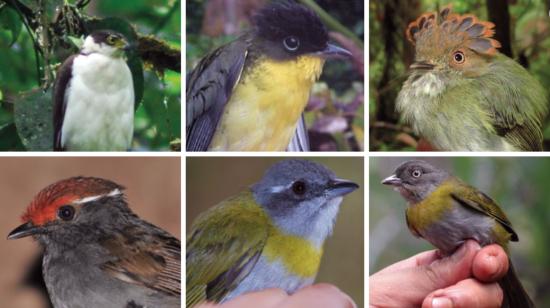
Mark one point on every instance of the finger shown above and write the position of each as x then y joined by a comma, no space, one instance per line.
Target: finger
319,295
449,270
425,279
490,264
466,293
268,298
423,258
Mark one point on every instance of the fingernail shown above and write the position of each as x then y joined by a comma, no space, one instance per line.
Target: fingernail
442,302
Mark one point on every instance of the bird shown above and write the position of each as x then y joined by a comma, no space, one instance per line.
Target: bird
97,252
249,94
464,95
446,212
270,235
93,97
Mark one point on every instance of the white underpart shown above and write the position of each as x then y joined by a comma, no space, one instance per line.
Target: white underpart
100,103
429,84
113,193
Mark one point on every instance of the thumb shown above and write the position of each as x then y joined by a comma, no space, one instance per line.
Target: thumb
449,270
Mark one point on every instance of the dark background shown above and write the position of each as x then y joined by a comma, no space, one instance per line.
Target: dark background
522,27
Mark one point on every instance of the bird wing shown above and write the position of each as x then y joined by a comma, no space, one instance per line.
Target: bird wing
519,108
300,141
224,245
209,87
62,83
151,260
472,198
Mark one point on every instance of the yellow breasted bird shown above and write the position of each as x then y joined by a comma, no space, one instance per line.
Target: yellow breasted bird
249,95
446,212
268,236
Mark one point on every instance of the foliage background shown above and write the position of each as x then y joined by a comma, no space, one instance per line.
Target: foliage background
343,260
518,185
391,54
335,113
157,119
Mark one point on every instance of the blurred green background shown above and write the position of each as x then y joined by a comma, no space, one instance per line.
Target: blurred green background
212,180
390,54
157,119
335,112
519,185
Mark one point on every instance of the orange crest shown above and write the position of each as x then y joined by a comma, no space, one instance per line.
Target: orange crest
449,29
45,204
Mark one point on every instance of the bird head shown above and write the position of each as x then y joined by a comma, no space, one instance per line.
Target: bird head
302,197
416,179
285,30
105,42
72,202
449,44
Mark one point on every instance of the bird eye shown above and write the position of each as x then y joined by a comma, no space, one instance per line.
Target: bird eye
299,187
291,43
416,173
110,40
459,57
66,212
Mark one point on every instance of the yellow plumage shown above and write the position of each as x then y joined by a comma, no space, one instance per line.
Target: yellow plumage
262,113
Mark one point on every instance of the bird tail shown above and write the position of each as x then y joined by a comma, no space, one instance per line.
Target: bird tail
515,295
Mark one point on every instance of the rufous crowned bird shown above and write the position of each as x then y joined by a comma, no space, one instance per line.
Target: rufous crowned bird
97,252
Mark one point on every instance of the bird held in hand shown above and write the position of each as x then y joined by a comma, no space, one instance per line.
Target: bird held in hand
97,252
463,95
446,212
268,236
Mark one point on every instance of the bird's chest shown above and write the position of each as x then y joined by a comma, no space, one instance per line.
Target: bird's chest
446,224
450,115
266,104
287,262
99,105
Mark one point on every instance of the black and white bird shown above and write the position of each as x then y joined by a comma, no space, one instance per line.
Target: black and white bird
94,97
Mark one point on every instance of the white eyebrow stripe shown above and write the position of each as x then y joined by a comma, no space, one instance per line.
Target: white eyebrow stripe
278,189
112,193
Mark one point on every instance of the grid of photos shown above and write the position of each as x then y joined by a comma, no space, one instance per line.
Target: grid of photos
281,196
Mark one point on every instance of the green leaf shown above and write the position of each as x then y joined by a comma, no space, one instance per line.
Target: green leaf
33,119
9,20
134,61
9,140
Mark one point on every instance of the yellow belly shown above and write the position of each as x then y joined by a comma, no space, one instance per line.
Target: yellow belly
265,106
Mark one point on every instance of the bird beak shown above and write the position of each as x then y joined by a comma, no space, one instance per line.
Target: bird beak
340,187
422,65
23,230
333,51
392,180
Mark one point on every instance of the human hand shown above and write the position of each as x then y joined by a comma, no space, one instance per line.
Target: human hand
467,278
318,295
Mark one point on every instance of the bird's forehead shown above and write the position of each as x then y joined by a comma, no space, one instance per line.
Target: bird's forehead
286,172
44,206
282,19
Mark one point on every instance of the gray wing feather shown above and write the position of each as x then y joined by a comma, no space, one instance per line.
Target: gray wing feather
209,87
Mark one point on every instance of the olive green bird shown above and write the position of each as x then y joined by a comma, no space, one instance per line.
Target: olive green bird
270,235
463,95
446,212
